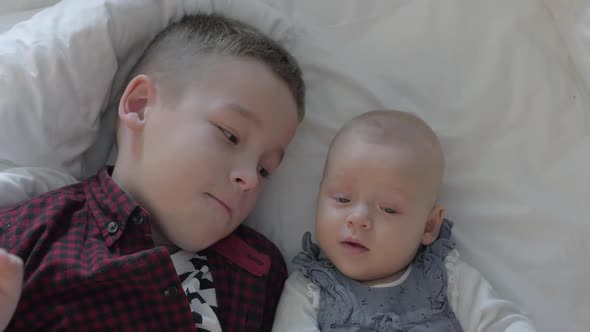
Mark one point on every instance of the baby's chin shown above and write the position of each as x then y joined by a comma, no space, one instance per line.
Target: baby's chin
364,275
352,270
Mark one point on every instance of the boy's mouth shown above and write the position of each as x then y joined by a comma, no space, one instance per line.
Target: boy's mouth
222,204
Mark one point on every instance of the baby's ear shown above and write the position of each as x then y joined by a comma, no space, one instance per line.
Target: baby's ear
137,96
433,224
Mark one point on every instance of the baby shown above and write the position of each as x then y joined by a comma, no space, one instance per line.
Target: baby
391,264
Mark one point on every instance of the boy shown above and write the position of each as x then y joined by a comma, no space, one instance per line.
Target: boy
206,115
11,275
391,265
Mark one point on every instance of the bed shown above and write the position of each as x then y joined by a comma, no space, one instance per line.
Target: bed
504,83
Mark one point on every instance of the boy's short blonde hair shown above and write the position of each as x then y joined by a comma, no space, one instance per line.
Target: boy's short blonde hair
177,52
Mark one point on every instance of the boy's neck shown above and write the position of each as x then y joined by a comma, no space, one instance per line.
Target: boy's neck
119,177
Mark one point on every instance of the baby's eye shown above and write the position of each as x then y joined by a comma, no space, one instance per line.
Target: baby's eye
228,134
342,200
264,173
389,210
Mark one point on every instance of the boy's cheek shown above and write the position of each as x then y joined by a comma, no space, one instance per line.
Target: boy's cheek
249,201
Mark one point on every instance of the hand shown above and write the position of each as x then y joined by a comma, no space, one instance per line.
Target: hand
11,283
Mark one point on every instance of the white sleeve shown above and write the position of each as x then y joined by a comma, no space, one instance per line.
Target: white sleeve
298,306
475,303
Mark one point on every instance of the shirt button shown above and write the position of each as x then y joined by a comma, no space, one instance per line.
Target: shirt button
112,227
328,264
137,219
171,291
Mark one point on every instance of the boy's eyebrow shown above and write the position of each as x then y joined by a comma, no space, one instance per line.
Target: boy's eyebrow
245,113
249,115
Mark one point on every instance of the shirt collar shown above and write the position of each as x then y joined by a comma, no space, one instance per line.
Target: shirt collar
110,205
239,252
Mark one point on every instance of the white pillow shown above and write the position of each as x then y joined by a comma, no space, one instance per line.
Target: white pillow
500,84
572,18
496,82
57,72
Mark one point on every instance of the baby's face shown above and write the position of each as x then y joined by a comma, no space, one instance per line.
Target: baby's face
372,210
203,162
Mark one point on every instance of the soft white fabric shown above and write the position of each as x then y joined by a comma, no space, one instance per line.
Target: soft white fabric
497,82
504,83
476,305
572,18
20,183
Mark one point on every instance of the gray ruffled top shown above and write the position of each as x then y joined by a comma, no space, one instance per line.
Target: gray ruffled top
417,304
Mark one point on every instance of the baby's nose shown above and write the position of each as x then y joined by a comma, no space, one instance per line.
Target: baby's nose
360,217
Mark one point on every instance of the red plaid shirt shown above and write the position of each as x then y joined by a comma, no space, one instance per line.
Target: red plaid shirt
90,264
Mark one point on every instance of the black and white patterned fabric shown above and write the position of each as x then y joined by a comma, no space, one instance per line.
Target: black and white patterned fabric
197,283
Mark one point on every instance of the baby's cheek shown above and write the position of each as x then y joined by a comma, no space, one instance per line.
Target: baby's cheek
324,216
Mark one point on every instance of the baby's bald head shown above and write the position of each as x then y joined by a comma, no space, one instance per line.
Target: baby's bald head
400,131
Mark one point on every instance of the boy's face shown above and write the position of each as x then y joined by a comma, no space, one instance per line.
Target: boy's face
372,210
202,159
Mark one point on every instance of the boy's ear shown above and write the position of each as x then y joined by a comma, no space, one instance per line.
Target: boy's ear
433,224
137,96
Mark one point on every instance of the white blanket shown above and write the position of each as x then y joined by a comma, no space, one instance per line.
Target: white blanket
505,83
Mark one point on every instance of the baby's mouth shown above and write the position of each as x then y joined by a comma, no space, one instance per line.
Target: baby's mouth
354,246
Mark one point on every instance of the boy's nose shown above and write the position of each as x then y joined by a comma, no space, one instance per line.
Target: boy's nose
245,179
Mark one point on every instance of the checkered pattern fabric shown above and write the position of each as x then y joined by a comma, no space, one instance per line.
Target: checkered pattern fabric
90,264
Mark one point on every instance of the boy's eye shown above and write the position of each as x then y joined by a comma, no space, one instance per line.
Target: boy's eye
264,173
389,210
228,134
